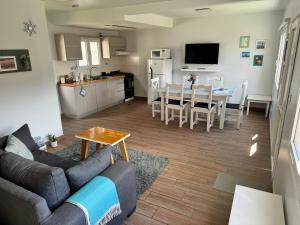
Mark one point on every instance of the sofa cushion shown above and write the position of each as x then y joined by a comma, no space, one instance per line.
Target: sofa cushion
16,146
3,142
47,182
86,170
24,135
53,160
1,151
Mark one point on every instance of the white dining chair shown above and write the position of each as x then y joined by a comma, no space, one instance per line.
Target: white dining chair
216,82
175,102
201,102
236,113
156,99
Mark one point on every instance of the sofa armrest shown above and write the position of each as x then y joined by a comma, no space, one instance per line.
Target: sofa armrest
19,206
86,170
66,214
123,175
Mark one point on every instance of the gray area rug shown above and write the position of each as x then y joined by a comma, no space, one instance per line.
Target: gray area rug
148,166
227,183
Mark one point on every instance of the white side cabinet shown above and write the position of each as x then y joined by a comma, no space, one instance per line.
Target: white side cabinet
99,96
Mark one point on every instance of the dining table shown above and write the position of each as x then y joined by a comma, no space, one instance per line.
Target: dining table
218,94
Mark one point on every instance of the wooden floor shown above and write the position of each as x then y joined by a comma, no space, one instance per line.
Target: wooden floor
183,194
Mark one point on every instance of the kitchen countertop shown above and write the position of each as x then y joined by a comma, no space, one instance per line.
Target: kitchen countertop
76,84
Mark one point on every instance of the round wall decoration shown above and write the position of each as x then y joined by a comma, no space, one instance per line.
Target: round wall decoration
29,27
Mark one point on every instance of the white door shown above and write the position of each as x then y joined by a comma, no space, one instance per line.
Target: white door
277,112
287,91
287,177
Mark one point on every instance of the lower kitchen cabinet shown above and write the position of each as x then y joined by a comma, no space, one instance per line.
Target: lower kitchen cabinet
98,96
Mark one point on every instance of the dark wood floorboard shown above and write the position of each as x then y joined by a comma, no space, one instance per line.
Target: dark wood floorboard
183,194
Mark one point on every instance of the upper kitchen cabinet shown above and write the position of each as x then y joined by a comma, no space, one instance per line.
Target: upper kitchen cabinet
68,47
112,46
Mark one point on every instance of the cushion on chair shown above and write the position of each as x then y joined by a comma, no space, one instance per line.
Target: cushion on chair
232,106
45,181
24,135
86,170
203,105
16,146
176,102
157,100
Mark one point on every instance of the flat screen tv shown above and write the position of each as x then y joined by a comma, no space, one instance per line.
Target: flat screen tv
202,53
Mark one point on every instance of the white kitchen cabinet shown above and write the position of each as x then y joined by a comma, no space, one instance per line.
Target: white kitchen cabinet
99,96
68,47
76,106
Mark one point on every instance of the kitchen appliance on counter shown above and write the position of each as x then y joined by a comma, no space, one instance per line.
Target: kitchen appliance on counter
128,83
161,68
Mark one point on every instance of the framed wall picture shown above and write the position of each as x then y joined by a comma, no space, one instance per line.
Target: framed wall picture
260,44
14,60
8,63
244,41
245,55
258,60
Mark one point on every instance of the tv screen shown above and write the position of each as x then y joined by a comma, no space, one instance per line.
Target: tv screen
205,53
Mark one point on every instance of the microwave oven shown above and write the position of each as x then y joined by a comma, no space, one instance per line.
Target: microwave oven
163,53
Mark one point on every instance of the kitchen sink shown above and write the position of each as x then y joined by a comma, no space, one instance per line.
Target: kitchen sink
99,77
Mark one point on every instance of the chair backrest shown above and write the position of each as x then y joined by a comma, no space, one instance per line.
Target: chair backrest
244,94
174,92
154,88
201,93
216,81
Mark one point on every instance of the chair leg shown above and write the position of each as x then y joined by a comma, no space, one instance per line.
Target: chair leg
186,114
166,116
153,108
238,126
180,117
192,120
208,122
213,117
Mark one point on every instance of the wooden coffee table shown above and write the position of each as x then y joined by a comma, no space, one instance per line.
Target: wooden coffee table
103,136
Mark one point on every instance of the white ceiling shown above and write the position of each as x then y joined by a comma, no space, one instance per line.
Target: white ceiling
66,5
97,13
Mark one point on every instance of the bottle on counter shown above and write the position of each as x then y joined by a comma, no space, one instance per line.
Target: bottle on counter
81,76
62,79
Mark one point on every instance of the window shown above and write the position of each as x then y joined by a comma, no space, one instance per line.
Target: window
90,48
296,137
280,59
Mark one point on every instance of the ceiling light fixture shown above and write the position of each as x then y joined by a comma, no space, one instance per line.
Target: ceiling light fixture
203,9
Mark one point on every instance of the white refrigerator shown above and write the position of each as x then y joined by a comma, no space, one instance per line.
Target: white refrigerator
161,68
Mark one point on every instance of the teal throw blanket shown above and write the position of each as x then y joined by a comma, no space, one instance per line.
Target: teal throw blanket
99,201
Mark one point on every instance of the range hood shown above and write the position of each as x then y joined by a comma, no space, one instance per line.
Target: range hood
113,46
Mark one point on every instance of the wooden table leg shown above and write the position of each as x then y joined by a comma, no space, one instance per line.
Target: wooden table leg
223,113
112,159
124,152
98,146
84,149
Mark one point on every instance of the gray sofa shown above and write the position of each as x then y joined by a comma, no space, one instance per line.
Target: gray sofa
34,192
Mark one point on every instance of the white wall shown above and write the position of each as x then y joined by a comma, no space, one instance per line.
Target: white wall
28,97
287,181
63,68
223,29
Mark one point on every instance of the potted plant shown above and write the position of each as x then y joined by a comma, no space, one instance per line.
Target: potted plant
53,140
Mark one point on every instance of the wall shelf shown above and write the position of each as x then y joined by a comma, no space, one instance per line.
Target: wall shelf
201,70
